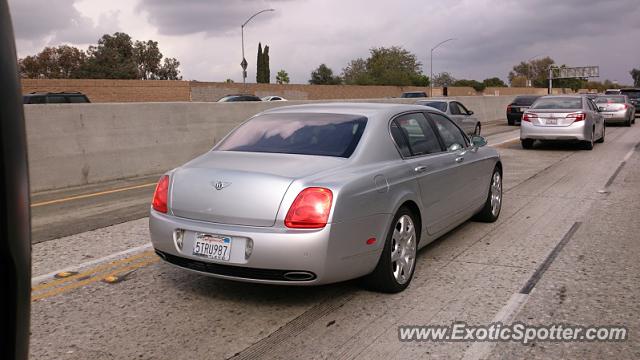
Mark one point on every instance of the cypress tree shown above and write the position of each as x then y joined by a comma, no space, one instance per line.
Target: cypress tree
266,75
259,64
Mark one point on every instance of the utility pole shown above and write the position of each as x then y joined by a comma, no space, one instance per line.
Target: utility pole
431,78
244,63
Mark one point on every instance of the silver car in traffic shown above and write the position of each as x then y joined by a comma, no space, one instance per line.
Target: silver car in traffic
562,117
616,109
457,112
316,194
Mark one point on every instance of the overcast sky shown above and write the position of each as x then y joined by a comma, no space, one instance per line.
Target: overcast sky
492,35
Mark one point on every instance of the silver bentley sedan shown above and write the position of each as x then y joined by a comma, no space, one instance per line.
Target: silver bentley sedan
315,194
457,112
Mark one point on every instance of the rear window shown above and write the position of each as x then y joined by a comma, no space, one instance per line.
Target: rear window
305,134
414,95
440,105
525,100
559,103
610,100
77,99
632,94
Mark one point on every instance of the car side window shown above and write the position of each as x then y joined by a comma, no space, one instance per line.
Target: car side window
414,135
451,135
463,110
455,110
56,99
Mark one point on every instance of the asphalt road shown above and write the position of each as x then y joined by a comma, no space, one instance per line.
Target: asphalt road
121,302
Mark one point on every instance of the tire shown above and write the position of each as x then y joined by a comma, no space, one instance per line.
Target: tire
604,131
527,143
588,145
389,276
477,130
492,206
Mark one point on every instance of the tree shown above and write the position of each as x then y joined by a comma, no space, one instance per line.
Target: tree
536,70
115,57
282,77
323,75
259,64
393,66
229,81
266,72
62,62
147,57
443,79
112,58
635,74
355,73
494,82
476,85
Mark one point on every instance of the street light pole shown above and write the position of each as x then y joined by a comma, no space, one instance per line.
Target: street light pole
244,63
431,78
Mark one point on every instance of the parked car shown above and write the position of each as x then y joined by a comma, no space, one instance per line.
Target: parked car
518,106
563,117
55,98
316,194
413,94
634,97
239,97
457,112
612,92
273,98
616,108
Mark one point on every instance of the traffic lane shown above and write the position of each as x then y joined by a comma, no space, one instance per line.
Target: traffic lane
60,213
594,279
168,303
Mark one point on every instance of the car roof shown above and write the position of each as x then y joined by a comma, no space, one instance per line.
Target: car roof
364,109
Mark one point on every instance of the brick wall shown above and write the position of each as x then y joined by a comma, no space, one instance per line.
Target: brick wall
167,91
114,90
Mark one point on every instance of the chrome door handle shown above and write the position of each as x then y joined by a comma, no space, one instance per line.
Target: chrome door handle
420,168
460,159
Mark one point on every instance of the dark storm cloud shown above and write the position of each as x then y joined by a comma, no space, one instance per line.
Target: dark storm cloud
35,20
213,17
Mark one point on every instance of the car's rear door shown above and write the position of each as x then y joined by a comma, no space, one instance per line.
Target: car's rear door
423,152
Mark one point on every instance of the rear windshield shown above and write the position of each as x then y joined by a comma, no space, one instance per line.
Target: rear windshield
414,95
632,94
525,100
610,100
306,134
558,103
440,105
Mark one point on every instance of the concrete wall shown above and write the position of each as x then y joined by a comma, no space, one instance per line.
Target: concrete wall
76,144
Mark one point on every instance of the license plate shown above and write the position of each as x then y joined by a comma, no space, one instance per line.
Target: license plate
517,109
551,122
210,246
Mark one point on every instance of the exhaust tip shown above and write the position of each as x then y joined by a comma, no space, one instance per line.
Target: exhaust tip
299,276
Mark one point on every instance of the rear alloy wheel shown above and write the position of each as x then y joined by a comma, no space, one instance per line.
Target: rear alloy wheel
492,206
476,131
398,259
527,143
588,145
604,130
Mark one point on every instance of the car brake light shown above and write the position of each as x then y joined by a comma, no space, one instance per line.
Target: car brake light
310,209
625,106
508,108
160,195
577,116
528,117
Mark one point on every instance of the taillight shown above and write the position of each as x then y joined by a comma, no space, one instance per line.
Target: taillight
528,117
577,116
310,209
508,108
625,106
160,195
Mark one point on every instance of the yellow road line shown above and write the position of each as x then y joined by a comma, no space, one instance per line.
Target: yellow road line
84,196
91,280
93,270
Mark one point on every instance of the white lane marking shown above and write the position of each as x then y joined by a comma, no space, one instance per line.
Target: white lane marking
506,141
618,169
481,350
629,154
76,268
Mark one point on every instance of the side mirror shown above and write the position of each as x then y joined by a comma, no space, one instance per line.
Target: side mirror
478,141
469,112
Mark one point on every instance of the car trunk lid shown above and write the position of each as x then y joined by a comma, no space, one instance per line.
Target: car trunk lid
239,188
553,118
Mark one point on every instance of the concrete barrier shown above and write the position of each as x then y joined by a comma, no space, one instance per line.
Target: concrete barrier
76,144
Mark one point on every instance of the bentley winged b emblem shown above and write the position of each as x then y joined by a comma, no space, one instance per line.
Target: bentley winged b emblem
219,185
